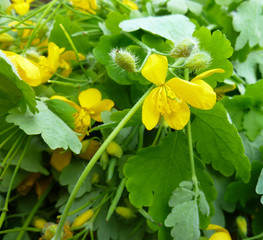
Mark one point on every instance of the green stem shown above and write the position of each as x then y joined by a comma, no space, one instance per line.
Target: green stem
64,83
192,161
94,159
33,211
8,138
158,133
145,60
37,27
70,79
116,198
5,209
255,237
140,137
24,20
147,216
74,48
30,229
10,159
128,9
6,130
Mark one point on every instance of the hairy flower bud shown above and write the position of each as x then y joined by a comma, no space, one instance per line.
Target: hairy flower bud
184,48
124,59
198,61
114,149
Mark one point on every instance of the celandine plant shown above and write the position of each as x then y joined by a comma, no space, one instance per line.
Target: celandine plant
133,120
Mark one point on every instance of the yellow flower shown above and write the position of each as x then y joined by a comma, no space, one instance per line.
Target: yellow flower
221,233
27,71
91,106
20,6
130,4
86,5
170,99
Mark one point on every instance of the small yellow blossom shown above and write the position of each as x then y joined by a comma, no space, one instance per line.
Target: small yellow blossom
20,6
130,4
91,106
170,99
220,234
85,5
83,218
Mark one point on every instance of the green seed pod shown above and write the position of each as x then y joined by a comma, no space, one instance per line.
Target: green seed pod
184,48
198,61
124,59
104,160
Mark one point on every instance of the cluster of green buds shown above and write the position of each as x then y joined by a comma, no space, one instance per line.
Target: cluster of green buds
124,59
194,58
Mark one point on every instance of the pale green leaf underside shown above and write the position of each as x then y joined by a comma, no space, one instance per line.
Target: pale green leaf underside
53,130
174,27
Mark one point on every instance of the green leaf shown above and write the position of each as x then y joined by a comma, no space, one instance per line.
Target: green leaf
113,20
203,204
259,187
32,161
185,221
226,2
173,27
154,172
63,110
58,37
249,68
13,91
248,14
70,175
237,106
182,6
253,123
239,191
180,195
135,120
219,49
53,130
225,152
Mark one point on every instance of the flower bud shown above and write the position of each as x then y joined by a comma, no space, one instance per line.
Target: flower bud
114,149
39,223
184,48
242,226
104,160
124,59
95,178
83,218
198,61
125,212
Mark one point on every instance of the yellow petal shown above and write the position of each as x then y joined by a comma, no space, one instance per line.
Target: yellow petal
130,4
155,69
21,8
76,106
6,38
177,120
104,105
26,69
220,236
70,55
89,98
197,93
208,73
53,56
150,113
60,159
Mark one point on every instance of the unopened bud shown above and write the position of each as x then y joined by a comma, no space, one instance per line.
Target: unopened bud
124,59
85,145
125,212
198,61
184,48
114,149
95,178
83,218
104,160
242,226
39,223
